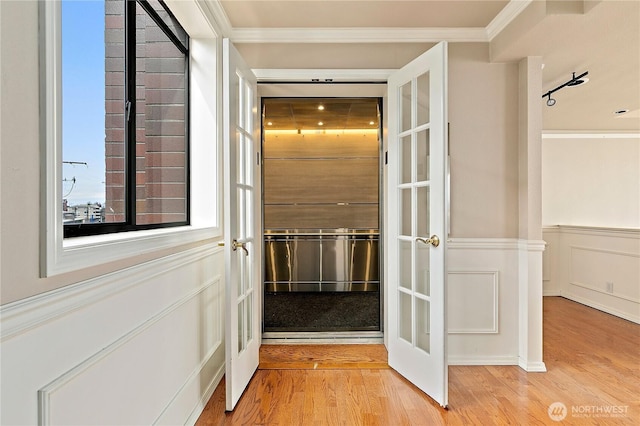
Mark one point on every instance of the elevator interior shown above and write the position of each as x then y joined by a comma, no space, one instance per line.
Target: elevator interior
321,192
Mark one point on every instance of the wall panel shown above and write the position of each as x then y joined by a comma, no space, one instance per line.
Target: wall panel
138,346
482,301
599,267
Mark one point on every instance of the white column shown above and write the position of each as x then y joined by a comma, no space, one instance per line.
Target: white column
530,214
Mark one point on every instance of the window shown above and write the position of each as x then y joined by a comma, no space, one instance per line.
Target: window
125,117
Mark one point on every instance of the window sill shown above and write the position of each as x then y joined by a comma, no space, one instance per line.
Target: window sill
84,252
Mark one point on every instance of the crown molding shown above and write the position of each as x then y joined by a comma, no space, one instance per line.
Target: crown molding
219,15
357,35
322,75
365,35
505,17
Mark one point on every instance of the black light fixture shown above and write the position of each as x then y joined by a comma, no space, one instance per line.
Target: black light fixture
550,101
575,81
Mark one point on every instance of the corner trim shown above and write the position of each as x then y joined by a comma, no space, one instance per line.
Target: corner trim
505,17
532,367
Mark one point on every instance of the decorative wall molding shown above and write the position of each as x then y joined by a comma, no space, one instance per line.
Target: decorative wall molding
583,260
504,18
492,263
574,250
600,306
483,243
357,35
266,75
589,135
593,230
366,35
492,360
495,244
23,315
494,327
46,394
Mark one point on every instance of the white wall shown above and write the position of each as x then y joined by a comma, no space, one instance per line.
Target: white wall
591,209
134,341
591,182
599,267
139,346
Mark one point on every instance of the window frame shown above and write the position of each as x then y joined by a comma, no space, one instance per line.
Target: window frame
130,142
59,255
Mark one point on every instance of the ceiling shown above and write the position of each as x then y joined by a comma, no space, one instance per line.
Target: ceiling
320,113
599,36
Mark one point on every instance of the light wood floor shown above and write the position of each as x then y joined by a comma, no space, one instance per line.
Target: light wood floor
592,358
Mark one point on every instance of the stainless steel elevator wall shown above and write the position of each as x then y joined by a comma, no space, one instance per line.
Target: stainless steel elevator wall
306,262
321,194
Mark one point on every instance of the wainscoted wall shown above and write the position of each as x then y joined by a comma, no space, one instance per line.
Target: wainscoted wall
482,294
143,345
599,267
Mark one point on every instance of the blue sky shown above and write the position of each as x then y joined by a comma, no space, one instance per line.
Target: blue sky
83,100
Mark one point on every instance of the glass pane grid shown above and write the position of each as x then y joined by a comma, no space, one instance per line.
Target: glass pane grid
423,324
241,328
413,204
422,91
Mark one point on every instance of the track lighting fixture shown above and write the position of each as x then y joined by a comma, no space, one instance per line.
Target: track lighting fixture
575,81
550,101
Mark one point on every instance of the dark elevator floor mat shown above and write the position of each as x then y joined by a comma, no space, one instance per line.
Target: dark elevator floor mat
319,311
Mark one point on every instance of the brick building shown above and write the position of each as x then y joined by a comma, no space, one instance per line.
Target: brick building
160,136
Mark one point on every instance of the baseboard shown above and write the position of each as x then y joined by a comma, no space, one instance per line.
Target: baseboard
598,306
206,396
554,293
532,367
492,360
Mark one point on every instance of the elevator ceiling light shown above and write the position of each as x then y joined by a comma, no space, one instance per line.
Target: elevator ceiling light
321,107
371,123
320,123
269,123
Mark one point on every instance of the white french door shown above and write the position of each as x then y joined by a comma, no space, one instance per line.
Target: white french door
416,226
242,223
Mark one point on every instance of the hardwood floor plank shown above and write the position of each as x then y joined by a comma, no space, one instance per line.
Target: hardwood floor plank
593,362
322,357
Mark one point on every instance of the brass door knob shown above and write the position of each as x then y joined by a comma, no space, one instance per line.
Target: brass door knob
433,241
243,246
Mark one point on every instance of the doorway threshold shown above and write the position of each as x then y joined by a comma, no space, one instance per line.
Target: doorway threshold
325,338
323,357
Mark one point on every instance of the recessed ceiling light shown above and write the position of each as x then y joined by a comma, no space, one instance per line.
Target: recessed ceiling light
371,123
621,111
321,107
269,123
320,123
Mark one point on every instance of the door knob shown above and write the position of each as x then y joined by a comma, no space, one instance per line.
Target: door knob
235,244
434,240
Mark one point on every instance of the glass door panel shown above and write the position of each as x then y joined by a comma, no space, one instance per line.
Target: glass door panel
416,236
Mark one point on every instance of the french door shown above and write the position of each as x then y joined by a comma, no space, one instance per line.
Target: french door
242,223
416,226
